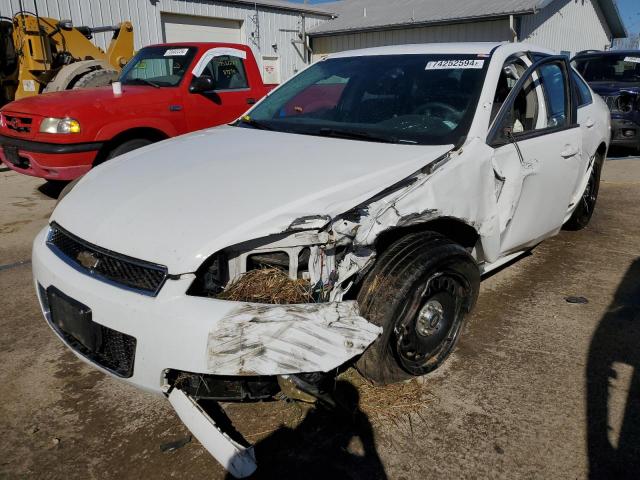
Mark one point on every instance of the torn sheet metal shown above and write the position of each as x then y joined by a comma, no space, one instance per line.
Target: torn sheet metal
240,461
455,189
257,339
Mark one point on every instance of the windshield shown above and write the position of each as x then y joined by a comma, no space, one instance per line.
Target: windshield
416,99
610,68
158,66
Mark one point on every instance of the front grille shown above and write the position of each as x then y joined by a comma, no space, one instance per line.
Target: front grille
18,124
119,270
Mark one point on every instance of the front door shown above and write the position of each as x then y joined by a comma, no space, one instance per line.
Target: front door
537,155
230,97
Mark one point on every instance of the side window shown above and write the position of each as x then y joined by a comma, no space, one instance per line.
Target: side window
523,115
511,73
583,94
227,72
554,83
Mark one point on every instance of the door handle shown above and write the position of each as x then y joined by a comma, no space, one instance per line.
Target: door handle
251,101
589,123
569,152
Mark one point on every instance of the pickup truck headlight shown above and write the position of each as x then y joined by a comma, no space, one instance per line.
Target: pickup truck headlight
59,125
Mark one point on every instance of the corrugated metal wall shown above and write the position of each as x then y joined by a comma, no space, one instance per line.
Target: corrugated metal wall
568,25
277,27
488,31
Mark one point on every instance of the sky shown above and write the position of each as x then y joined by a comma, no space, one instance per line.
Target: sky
629,9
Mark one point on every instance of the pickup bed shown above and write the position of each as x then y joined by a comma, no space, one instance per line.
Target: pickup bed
166,90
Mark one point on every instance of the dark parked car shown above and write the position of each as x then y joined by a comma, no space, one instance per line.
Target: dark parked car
615,76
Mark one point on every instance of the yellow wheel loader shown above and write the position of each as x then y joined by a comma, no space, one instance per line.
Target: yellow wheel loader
40,54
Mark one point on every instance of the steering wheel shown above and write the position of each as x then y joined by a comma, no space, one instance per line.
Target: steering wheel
443,107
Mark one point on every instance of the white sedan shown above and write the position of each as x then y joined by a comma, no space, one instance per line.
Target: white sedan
381,183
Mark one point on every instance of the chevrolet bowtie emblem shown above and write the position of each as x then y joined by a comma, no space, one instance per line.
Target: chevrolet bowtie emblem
88,260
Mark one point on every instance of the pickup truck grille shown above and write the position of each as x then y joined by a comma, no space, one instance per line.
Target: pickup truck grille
18,124
125,272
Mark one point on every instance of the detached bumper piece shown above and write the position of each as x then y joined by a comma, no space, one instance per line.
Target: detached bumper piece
238,459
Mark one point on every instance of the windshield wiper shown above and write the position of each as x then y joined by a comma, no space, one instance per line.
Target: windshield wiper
359,135
145,81
247,120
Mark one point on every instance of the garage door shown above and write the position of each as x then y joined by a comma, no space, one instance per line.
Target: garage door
186,28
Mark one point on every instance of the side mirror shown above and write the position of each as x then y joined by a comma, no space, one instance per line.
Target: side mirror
203,83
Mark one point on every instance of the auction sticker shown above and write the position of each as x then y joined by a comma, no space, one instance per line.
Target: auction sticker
447,64
176,52
632,59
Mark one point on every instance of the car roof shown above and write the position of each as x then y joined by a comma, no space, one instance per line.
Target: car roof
600,53
456,48
200,45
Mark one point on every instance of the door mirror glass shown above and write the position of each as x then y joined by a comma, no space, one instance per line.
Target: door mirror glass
203,83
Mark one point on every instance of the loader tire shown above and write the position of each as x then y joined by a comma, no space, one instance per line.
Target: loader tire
96,78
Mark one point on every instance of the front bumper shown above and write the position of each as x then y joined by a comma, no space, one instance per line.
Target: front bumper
52,161
625,133
208,336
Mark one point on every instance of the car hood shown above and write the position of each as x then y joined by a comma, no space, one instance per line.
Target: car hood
607,89
71,102
179,201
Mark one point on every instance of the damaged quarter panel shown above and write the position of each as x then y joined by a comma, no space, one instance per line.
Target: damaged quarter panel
462,188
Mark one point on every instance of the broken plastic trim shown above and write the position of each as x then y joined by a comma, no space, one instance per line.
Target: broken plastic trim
237,459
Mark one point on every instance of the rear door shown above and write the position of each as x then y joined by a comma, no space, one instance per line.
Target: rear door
537,154
231,96
588,119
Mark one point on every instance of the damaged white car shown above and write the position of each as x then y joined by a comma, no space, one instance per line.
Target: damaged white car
345,220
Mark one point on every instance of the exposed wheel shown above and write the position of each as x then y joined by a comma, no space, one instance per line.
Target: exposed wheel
419,292
96,78
127,147
583,212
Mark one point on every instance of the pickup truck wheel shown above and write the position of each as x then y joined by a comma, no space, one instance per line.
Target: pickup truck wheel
419,292
127,147
583,212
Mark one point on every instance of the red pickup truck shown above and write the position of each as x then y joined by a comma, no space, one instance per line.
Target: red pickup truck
166,90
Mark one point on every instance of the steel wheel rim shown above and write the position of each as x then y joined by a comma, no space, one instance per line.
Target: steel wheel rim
429,330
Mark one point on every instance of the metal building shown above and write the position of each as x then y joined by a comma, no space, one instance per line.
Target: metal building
273,28
564,25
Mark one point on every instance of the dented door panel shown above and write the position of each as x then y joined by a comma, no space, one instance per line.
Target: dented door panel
534,201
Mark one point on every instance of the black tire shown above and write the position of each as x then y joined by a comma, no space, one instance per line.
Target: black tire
127,147
584,211
422,273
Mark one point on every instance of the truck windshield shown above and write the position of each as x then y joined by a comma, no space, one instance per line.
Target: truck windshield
415,99
158,66
610,68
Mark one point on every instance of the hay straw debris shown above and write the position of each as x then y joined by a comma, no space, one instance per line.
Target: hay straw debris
267,285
